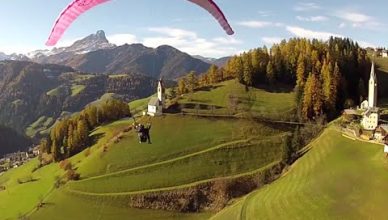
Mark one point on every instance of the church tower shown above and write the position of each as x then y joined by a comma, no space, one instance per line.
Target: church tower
161,92
372,94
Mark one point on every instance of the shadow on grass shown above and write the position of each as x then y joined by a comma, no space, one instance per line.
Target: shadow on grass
94,138
276,88
209,88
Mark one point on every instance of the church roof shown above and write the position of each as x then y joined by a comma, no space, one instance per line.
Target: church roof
384,127
154,101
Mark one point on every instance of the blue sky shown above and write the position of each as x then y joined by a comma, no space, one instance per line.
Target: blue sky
25,24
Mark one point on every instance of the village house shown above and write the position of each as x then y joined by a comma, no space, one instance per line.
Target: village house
156,104
381,133
381,52
17,159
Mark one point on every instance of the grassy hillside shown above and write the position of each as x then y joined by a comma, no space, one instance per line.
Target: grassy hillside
18,199
231,97
185,151
338,179
39,126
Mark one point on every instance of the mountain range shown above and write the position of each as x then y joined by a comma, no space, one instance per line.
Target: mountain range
30,91
41,86
95,54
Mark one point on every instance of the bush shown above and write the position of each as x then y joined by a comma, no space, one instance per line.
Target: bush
87,152
72,175
65,165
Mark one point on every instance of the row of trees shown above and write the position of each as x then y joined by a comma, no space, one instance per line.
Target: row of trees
70,136
327,76
191,81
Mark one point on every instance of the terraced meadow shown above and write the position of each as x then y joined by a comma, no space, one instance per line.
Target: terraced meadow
187,153
339,178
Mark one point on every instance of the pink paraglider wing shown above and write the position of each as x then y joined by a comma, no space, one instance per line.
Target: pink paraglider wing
214,10
71,13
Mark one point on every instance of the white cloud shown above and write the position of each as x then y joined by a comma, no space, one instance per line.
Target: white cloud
227,40
358,19
365,44
265,13
305,33
190,42
342,25
259,24
271,40
354,17
312,18
255,24
120,39
173,32
306,6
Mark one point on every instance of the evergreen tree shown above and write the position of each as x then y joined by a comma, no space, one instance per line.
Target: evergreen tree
270,73
248,70
307,104
82,133
182,86
192,81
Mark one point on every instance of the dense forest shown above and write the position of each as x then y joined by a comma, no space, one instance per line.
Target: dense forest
327,76
71,135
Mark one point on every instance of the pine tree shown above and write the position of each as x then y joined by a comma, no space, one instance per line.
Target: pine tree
56,151
317,97
248,70
192,81
270,73
212,74
82,133
307,104
182,86
300,72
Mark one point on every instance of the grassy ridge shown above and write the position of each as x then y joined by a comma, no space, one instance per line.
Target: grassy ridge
338,179
172,136
226,160
256,100
72,207
185,149
39,126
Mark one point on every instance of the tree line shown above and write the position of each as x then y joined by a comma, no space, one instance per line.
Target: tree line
327,75
71,135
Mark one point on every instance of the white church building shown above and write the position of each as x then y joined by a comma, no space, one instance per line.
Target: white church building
156,104
371,115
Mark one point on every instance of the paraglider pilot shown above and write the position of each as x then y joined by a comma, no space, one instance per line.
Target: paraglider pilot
143,133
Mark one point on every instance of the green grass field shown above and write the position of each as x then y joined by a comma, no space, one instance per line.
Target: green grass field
138,106
57,91
19,199
220,161
185,150
163,163
257,101
72,207
39,126
77,89
339,178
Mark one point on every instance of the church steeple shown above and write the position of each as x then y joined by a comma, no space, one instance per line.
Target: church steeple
372,94
160,91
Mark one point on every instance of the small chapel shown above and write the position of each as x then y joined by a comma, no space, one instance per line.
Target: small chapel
371,114
156,104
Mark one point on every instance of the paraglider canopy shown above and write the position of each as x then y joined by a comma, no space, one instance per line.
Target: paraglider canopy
78,7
